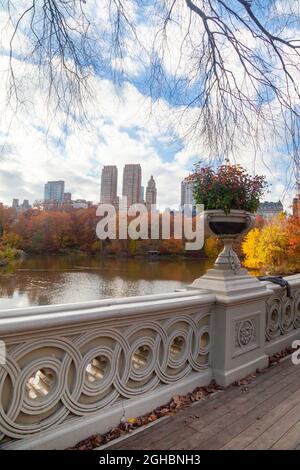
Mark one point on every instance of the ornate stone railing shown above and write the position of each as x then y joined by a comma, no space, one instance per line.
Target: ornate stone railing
282,315
73,369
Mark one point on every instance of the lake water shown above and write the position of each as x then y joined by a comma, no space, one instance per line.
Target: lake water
44,280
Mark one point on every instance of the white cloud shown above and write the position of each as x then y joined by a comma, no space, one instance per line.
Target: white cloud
31,158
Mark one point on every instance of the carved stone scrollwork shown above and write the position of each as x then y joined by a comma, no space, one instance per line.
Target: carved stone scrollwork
282,314
287,315
273,311
48,380
296,296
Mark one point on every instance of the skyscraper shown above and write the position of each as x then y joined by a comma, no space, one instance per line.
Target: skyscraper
54,191
109,184
132,178
15,203
25,206
187,187
151,192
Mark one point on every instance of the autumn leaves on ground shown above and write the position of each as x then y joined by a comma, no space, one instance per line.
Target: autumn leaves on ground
272,246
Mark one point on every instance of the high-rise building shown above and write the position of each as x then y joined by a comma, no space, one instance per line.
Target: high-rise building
15,203
132,178
109,184
151,192
142,193
25,206
187,187
54,191
67,198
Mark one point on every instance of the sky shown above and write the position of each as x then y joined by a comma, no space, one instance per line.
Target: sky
125,125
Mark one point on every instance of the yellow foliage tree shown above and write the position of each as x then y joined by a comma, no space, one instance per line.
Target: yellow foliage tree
251,249
274,243
267,247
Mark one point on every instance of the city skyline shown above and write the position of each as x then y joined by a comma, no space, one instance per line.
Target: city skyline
134,189
54,193
82,192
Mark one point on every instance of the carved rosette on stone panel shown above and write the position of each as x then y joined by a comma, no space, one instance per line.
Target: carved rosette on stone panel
244,333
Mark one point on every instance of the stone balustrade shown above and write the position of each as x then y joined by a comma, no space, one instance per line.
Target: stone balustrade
77,369
282,315
74,369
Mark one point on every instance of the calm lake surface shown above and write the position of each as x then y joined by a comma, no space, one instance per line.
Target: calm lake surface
44,280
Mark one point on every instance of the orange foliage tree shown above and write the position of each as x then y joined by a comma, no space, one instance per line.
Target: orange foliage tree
293,228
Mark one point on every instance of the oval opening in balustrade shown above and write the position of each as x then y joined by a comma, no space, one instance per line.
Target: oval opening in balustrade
40,384
97,369
140,357
204,340
287,313
274,316
176,347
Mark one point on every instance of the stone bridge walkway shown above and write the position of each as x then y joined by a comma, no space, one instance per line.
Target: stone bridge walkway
263,414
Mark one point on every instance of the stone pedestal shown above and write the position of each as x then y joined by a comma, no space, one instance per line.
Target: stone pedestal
229,282
239,322
240,309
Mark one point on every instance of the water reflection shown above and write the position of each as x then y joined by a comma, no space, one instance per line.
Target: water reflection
43,280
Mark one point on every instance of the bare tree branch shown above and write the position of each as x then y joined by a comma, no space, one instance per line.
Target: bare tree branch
238,66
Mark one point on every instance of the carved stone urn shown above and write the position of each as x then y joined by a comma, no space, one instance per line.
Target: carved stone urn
228,227
227,277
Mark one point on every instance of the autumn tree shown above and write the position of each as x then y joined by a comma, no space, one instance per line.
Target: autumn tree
11,239
171,246
7,217
45,231
251,249
293,229
267,247
84,222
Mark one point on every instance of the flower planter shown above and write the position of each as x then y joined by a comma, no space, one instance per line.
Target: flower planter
228,227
